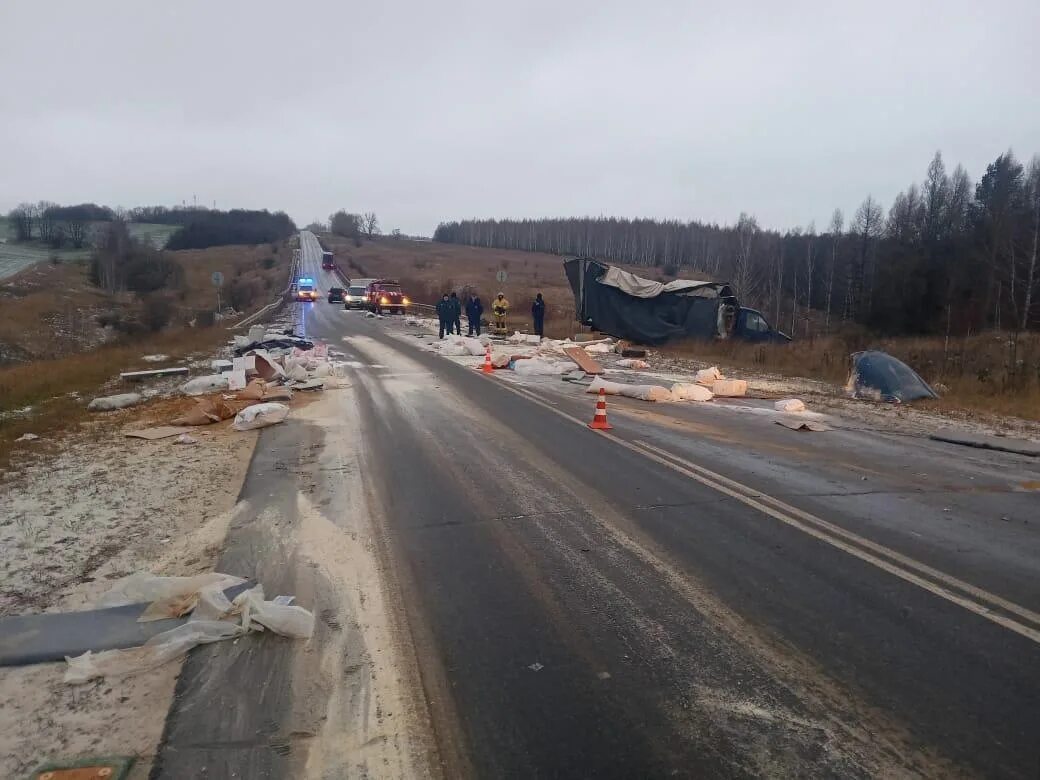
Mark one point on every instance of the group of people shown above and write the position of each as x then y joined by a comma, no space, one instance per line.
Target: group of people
449,312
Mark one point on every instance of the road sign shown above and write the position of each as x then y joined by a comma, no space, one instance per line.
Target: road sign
502,276
218,279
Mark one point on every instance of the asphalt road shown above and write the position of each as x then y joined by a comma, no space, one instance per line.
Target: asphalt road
698,593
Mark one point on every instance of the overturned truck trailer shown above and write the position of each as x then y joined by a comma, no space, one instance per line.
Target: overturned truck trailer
627,306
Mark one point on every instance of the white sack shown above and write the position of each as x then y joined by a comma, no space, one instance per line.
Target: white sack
691,392
633,363
259,416
599,348
539,367
728,388
789,405
108,403
473,346
641,392
706,376
205,384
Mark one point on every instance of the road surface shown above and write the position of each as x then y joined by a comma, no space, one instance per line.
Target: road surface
698,593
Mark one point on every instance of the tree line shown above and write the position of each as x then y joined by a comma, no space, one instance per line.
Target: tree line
949,256
86,224
353,226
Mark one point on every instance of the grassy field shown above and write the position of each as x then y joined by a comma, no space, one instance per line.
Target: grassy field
15,256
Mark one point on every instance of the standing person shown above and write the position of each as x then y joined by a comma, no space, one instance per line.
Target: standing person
445,313
474,310
538,313
500,307
456,314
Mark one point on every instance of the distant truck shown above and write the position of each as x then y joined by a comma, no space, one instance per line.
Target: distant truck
328,261
621,304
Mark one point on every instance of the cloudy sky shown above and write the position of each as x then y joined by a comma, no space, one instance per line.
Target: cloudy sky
426,111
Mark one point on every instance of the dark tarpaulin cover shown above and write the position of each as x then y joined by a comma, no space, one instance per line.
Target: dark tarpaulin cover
643,320
879,376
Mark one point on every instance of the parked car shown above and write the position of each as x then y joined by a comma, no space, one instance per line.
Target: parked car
335,295
356,297
386,295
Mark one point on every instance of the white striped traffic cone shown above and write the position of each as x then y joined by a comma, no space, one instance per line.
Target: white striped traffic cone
599,421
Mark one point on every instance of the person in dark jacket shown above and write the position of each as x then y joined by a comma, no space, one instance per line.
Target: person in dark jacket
474,310
538,313
445,313
456,314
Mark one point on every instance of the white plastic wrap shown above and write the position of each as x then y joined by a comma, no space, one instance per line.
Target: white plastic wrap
635,363
259,416
707,376
789,405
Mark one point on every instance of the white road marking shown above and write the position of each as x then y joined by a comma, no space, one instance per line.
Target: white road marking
971,598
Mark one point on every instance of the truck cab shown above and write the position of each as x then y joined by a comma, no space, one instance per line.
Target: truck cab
752,326
328,261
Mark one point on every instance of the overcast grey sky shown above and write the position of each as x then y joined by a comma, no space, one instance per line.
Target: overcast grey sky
426,111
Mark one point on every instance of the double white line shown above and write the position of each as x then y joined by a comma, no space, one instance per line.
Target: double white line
997,610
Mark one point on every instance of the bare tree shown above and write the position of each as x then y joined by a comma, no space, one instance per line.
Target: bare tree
1033,183
47,226
745,276
810,271
835,230
77,231
867,226
371,224
935,201
24,216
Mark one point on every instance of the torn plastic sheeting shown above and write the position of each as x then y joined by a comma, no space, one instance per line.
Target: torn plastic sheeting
789,405
113,402
877,376
803,425
640,392
682,391
205,384
213,619
145,587
260,416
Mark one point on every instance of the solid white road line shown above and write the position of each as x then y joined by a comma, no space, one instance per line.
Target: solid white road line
972,598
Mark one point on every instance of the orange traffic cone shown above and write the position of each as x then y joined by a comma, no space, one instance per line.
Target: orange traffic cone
599,421
487,367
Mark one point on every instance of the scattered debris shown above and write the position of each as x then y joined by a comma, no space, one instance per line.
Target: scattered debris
877,376
221,366
206,412
633,352
539,367
159,432
633,363
155,373
185,438
803,425
155,358
260,416
273,341
707,376
536,667
998,443
580,356
214,617
789,405
112,402
27,437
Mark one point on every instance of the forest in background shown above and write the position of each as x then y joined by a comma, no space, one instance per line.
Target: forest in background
949,257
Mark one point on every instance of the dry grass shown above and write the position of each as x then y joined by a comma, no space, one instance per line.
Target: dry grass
979,373
58,389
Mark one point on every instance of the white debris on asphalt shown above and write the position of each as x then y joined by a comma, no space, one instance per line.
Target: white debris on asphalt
789,405
111,402
27,437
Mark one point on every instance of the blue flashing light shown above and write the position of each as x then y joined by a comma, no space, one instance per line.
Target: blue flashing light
306,280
